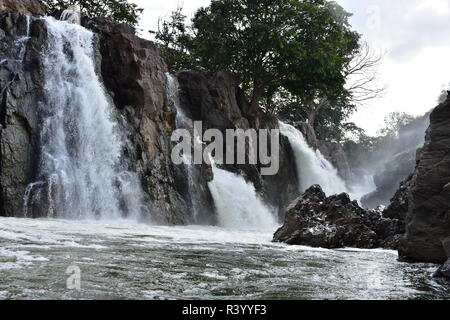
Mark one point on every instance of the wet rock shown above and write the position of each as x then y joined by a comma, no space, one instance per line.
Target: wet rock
398,208
334,222
318,221
428,218
21,94
30,7
444,270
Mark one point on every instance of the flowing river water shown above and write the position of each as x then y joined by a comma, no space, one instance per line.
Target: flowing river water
126,260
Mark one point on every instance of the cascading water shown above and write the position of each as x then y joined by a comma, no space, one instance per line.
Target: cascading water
22,41
313,168
184,122
80,175
72,15
238,204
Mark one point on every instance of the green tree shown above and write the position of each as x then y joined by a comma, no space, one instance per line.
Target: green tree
174,39
302,46
394,122
119,10
328,115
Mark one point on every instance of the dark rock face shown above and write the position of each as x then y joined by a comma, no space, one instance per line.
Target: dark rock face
20,95
399,206
30,7
428,219
217,101
335,222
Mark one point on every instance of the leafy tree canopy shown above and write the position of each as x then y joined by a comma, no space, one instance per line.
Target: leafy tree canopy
301,46
299,59
119,10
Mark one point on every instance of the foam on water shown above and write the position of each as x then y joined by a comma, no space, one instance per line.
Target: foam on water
122,259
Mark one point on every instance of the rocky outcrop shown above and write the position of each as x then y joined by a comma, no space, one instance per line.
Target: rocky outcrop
21,38
399,205
217,101
335,222
428,218
28,7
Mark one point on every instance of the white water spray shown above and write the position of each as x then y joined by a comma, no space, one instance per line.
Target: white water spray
184,122
238,204
313,168
79,172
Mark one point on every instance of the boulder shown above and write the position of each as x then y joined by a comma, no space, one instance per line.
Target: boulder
428,218
334,222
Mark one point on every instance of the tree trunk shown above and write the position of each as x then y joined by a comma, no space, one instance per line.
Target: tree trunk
311,113
257,94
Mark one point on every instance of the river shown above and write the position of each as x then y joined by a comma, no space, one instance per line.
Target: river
126,260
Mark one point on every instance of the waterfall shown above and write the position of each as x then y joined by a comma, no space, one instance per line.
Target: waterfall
238,204
80,173
72,15
190,171
312,167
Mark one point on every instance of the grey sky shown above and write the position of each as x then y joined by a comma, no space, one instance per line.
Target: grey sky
413,32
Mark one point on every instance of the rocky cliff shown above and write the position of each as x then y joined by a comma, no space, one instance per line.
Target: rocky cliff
21,89
136,80
428,222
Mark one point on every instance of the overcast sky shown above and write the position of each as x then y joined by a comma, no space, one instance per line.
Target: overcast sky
414,33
